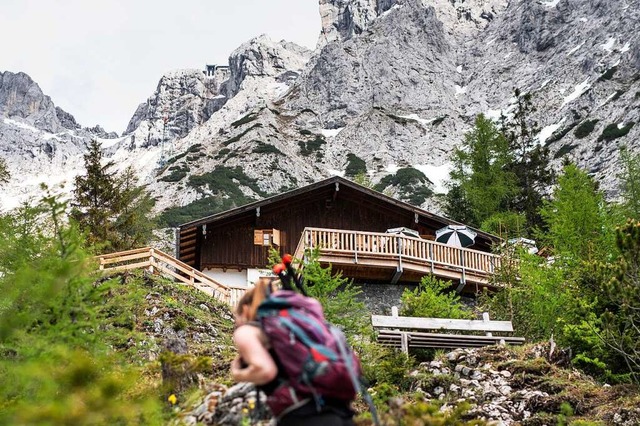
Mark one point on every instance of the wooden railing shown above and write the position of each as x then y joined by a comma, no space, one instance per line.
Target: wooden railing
401,248
157,260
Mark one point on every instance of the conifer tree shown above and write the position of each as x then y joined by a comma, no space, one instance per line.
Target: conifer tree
630,183
480,184
111,209
4,172
531,160
95,195
577,221
133,225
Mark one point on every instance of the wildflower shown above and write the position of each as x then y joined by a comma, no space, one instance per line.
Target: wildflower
172,399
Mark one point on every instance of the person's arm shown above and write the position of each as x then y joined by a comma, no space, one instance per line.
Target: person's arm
259,367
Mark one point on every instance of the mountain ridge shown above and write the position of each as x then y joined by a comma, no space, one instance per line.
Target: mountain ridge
393,84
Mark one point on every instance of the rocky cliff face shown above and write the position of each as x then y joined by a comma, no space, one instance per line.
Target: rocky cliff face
392,84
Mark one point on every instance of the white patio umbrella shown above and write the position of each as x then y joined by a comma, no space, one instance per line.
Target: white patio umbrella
456,235
403,231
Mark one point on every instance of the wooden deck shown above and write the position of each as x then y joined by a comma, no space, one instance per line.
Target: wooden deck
396,258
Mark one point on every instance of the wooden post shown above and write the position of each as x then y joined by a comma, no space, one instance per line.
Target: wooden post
151,261
404,342
485,318
394,311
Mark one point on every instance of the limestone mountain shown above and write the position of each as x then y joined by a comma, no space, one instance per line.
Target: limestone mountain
390,89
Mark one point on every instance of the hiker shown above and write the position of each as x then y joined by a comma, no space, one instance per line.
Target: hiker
257,363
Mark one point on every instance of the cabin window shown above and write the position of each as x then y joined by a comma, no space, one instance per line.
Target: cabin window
266,237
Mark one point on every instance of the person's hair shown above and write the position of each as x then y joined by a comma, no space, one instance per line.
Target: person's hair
254,296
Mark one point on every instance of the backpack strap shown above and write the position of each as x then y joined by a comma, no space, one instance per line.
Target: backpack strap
354,380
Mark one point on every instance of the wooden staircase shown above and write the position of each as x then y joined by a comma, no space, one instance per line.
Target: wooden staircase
157,261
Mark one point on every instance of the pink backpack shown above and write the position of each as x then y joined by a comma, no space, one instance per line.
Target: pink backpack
315,357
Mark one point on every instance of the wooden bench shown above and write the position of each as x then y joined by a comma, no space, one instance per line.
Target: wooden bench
414,332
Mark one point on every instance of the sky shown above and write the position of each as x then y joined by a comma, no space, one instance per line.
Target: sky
99,59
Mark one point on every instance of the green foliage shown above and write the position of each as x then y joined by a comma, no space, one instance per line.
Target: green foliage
48,306
526,299
265,148
585,128
222,153
241,134
244,120
226,181
313,146
355,165
412,184
5,176
113,210
480,184
177,174
531,163
576,218
364,180
432,300
612,131
505,224
621,283
608,74
197,209
385,368
133,222
564,150
430,413
629,179
337,295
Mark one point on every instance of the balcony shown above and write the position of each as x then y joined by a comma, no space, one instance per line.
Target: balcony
382,257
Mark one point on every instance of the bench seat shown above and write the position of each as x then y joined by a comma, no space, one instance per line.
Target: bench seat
416,332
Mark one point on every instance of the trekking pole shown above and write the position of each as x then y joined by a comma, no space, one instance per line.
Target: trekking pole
287,259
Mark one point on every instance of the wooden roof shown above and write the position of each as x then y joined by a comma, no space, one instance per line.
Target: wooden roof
331,184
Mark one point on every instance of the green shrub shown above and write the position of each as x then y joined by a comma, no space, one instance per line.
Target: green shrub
608,74
222,153
564,150
309,147
612,131
305,132
433,298
240,135
265,148
244,120
556,136
222,180
355,165
411,184
585,128
617,95
439,120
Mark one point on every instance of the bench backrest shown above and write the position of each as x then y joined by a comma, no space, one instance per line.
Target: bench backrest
414,323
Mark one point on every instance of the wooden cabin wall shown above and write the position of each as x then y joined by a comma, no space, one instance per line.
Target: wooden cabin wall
230,242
